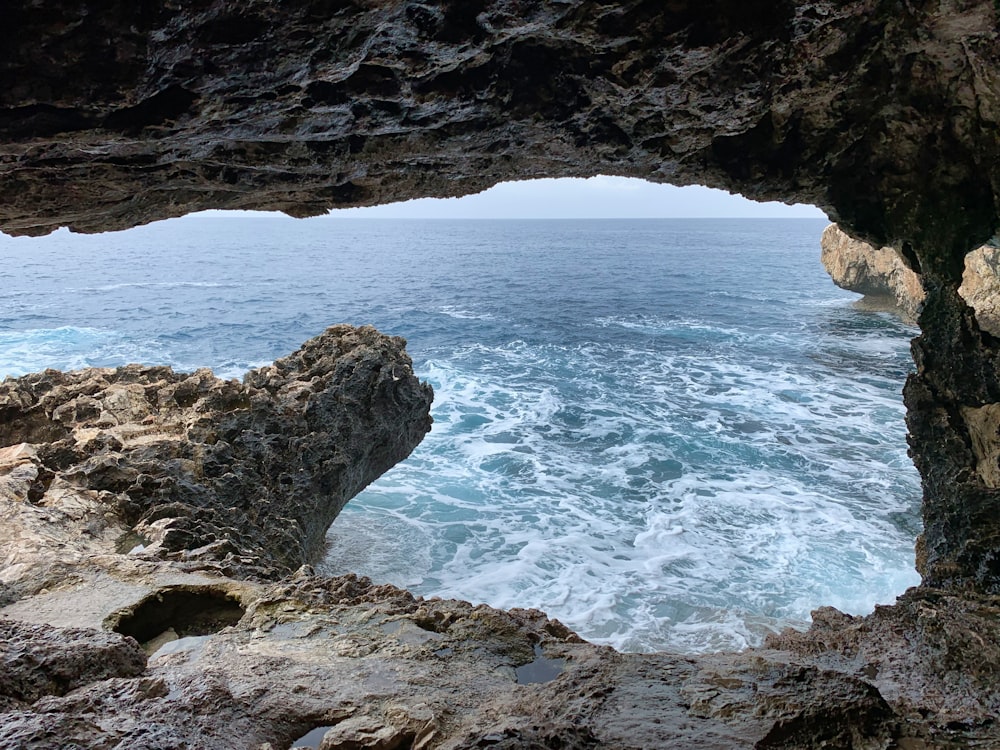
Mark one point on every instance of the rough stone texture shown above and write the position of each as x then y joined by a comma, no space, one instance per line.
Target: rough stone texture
382,669
981,287
883,276
879,273
39,660
245,477
950,657
239,662
947,402
882,113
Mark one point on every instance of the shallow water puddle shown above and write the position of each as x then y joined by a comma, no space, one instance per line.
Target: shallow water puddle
311,739
542,669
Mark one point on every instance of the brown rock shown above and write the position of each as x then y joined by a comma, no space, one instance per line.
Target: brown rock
879,273
364,665
883,276
981,287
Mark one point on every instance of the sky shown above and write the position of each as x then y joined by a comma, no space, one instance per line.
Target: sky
599,197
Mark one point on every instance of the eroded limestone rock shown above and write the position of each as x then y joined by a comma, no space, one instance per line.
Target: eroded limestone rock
377,668
879,273
881,113
38,660
244,477
887,281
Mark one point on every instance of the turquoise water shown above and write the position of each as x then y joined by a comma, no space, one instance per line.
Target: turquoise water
669,434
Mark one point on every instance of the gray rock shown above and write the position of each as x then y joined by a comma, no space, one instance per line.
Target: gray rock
245,478
37,660
875,113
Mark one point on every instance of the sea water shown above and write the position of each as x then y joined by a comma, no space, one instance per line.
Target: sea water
669,434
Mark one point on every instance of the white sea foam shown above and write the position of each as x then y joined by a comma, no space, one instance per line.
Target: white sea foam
155,285
637,442
69,348
696,503
455,312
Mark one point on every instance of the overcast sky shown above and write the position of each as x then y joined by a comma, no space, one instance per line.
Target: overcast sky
594,198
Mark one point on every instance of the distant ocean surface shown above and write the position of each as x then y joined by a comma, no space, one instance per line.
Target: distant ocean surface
669,434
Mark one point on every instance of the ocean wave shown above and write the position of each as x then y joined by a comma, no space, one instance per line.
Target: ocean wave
155,285
692,481
462,314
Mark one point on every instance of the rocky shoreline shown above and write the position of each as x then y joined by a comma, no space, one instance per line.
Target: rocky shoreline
885,279
156,593
882,114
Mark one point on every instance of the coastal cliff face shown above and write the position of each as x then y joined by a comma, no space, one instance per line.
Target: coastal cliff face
882,113
883,276
879,273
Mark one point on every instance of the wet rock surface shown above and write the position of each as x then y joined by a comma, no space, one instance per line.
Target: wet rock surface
376,667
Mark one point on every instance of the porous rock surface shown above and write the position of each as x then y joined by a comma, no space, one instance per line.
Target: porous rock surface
242,477
882,275
877,111
40,660
145,533
883,113
377,668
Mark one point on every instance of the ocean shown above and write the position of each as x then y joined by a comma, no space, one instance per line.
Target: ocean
668,434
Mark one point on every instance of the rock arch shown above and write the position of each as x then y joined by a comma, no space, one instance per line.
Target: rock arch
882,112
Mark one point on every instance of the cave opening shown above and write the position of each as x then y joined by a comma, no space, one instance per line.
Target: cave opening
176,613
577,428
883,113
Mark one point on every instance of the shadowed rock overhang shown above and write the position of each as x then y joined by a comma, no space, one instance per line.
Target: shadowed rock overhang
882,113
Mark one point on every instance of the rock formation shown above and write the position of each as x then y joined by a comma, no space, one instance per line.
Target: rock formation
879,273
882,275
240,478
878,112
883,113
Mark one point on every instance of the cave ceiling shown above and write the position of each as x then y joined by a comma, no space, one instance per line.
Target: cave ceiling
884,114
